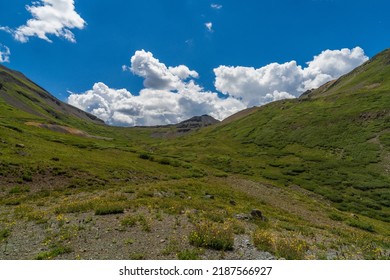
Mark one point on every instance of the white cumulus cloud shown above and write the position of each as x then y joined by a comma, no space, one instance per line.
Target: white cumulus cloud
49,17
157,75
330,65
288,80
169,96
4,54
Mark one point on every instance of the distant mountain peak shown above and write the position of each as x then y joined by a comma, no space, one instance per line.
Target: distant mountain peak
195,123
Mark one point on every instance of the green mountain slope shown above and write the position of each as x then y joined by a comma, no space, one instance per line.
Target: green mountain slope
18,92
333,141
296,179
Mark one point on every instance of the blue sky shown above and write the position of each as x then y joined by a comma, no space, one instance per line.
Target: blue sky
202,35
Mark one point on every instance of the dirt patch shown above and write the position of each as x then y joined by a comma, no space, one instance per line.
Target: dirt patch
372,86
66,130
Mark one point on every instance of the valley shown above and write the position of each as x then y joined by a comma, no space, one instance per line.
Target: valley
315,167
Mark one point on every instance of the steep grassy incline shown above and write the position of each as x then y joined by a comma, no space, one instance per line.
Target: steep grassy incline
334,141
19,97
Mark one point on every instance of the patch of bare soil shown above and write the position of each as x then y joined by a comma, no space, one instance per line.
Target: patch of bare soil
66,130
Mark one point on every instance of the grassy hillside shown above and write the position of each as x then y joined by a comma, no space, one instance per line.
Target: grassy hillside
317,168
334,142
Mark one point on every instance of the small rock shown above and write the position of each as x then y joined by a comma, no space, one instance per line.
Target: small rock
232,202
209,196
162,240
19,145
355,216
257,214
242,216
158,194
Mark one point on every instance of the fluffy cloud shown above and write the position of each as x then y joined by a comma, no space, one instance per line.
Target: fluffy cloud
288,80
50,17
157,75
4,53
330,65
169,96
209,26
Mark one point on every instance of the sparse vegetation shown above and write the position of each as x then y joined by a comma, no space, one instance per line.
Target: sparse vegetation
4,233
129,221
137,256
54,252
188,255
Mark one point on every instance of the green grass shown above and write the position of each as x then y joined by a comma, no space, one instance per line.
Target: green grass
109,209
287,247
361,225
129,221
188,255
4,234
308,165
137,256
54,252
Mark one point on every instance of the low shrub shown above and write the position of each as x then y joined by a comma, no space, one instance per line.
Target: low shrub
54,252
129,221
4,233
109,208
291,248
360,225
145,156
19,189
188,255
336,217
213,235
74,207
264,241
145,223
